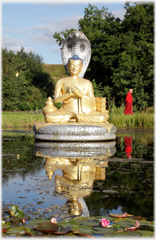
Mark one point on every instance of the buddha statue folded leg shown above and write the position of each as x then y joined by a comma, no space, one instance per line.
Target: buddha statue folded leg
59,116
94,116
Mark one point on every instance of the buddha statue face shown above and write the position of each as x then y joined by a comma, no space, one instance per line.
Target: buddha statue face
74,67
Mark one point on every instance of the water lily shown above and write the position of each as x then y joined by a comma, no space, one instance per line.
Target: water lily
104,222
53,220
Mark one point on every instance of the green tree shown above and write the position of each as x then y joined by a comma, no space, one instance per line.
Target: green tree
122,51
136,66
25,85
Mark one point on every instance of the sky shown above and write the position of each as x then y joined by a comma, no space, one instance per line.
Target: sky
31,24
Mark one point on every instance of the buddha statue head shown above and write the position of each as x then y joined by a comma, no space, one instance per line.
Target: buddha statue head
75,65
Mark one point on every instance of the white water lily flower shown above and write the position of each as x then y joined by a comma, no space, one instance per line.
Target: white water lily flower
53,220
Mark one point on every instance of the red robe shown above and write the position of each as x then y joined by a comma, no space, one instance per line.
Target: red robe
128,145
128,107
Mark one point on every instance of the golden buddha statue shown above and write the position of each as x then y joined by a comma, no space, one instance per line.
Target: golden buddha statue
82,117
77,96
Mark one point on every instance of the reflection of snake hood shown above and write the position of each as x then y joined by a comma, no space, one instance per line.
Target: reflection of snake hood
76,43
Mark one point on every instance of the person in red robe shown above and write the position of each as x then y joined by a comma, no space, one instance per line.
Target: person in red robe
128,146
129,101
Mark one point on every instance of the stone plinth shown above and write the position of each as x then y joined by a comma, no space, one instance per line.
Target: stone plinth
74,132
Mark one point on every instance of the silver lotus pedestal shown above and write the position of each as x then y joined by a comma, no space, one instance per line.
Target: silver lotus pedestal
74,132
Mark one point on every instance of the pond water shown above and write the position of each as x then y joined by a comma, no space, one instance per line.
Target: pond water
79,179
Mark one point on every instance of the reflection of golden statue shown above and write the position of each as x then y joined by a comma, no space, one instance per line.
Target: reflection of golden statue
76,182
77,179
77,96
78,173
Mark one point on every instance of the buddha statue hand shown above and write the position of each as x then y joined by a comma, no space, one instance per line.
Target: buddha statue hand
75,90
71,92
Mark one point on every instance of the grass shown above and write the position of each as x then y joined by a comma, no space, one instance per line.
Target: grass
144,119
20,119
27,120
56,71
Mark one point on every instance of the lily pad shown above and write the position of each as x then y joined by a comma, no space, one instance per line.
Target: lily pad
127,234
139,218
119,228
15,230
124,222
24,233
6,225
15,220
122,215
106,217
64,231
145,233
151,224
85,230
90,223
145,222
15,211
146,227
104,231
68,223
35,222
83,235
47,227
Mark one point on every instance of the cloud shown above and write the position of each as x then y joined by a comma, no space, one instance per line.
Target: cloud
8,41
43,33
119,13
68,22
14,44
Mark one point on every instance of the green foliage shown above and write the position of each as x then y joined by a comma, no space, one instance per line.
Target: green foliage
134,71
15,211
57,105
98,89
122,53
20,119
61,36
25,85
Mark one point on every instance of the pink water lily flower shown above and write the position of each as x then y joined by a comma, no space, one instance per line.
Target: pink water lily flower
53,220
104,222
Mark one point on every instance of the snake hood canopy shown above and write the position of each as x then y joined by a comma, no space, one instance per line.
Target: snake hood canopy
76,43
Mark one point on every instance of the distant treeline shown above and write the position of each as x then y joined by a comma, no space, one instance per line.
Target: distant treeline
122,58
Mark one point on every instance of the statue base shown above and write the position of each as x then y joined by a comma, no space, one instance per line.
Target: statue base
74,131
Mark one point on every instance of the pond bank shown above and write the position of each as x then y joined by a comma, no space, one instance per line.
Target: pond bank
28,119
